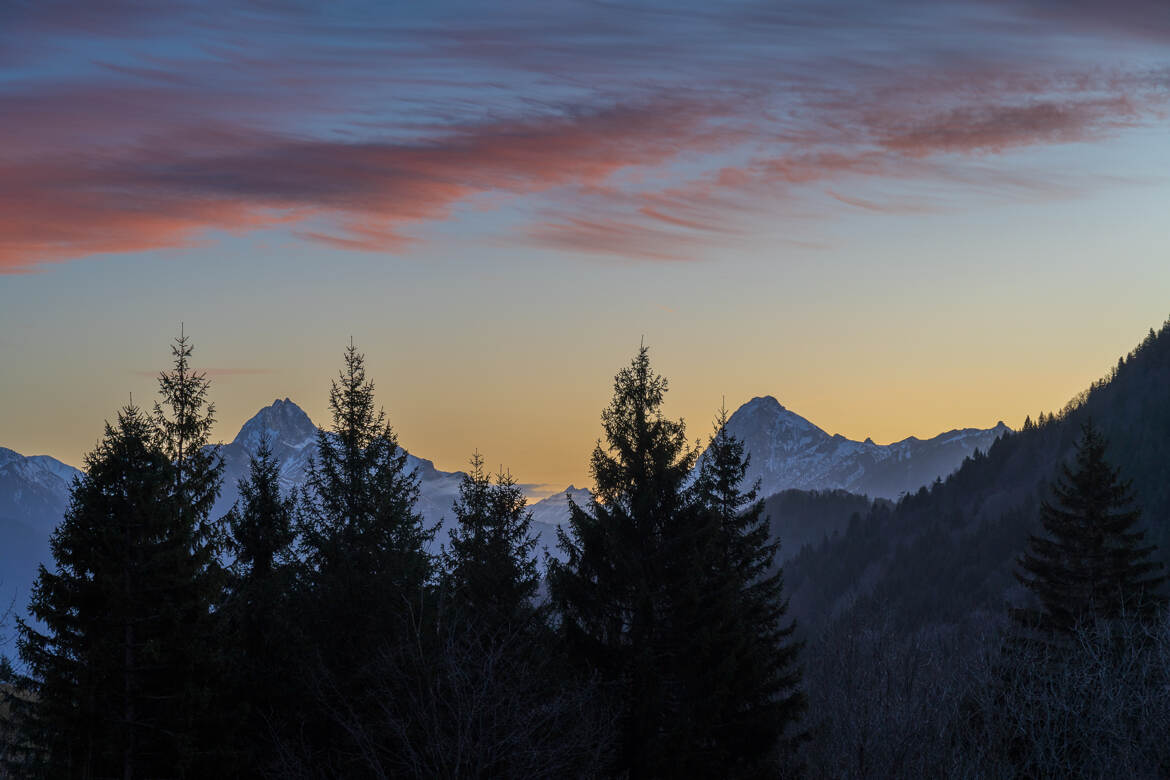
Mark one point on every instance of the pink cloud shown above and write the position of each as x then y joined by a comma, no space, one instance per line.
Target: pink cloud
615,238
151,152
879,144
165,195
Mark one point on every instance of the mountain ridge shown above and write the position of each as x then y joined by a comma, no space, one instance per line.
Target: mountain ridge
34,490
947,552
790,452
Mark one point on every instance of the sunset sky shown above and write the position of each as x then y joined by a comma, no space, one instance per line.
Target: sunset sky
898,217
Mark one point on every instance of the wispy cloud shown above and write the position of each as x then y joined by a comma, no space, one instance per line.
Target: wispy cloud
162,194
655,132
998,127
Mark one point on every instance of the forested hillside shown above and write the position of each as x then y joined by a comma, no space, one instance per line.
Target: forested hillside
947,553
800,518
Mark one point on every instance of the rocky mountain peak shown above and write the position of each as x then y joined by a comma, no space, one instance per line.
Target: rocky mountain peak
283,421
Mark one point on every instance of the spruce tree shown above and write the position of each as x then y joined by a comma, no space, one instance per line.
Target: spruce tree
255,617
260,530
489,570
612,592
107,697
359,524
1092,564
742,681
365,569
183,419
123,675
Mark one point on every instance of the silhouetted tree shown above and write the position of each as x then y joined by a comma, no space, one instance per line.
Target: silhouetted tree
467,699
255,619
359,522
490,569
1093,563
260,528
613,591
742,679
364,547
113,687
183,419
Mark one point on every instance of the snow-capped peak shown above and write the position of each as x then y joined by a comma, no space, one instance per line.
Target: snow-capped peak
788,451
284,423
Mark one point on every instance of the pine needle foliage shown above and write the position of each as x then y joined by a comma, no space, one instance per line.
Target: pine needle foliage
489,568
612,593
744,680
1092,563
364,582
123,678
360,531
255,618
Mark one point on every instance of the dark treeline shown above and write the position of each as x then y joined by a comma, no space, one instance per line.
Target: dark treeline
915,663
313,635
963,534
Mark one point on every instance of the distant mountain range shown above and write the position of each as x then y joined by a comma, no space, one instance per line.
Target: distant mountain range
292,436
787,452
34,494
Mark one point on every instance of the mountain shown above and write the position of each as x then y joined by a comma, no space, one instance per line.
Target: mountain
292,437
787,451
946,554
34,489
34,494
554,510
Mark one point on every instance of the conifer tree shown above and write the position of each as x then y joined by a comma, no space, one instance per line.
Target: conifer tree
183,419
123,677
260,527
742,679
359,522
612,593
490,568
1092,564
255,618
365,564
107,696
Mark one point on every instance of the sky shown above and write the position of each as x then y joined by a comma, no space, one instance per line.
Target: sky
898,217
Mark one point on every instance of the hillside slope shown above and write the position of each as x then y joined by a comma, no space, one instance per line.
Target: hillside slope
948,552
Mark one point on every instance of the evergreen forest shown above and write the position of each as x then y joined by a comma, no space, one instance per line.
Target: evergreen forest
1007,621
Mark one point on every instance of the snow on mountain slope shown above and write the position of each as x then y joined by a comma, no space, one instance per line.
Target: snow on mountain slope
34,494
293,439
788,451
34,489
554,510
